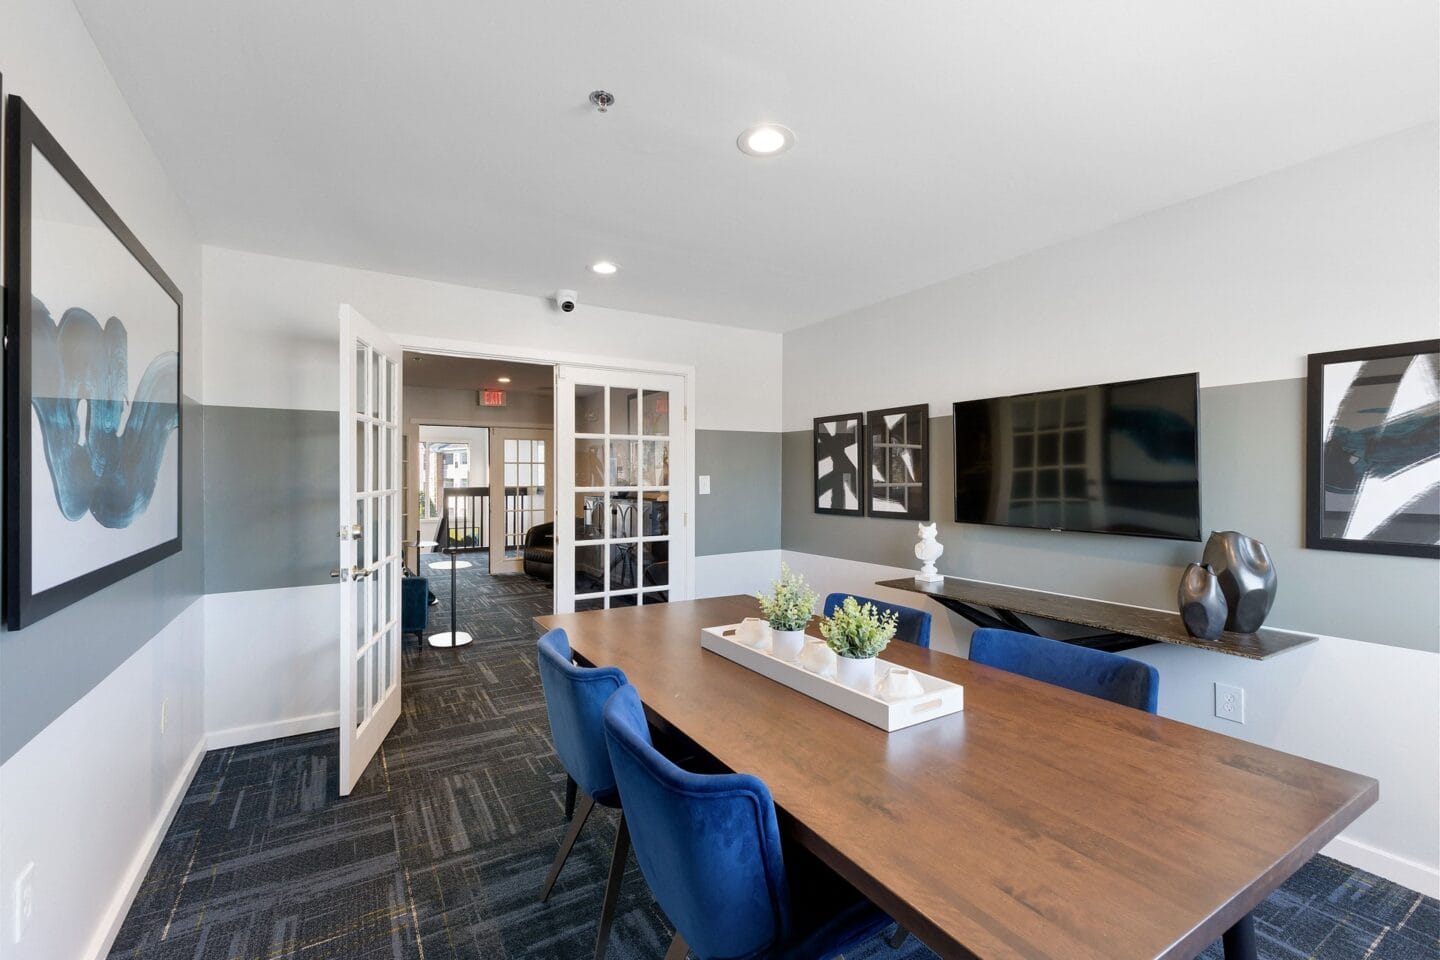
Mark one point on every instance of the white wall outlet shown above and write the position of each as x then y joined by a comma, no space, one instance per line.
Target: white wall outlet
24,900
1230,702
704,484
164,714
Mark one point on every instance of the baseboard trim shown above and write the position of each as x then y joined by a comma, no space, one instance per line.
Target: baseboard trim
258,732
140,866
1407,873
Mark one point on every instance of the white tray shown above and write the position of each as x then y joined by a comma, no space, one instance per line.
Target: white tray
940,698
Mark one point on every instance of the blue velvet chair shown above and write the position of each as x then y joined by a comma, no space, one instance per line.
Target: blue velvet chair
575,700
1108,676
710,848
415,607
912,627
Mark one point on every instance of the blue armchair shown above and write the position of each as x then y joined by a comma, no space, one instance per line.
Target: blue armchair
415,607
574,701
710,848
913,626
1108,676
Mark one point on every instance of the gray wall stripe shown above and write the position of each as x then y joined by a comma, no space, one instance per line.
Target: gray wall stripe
47,667
270,507
1252,480
742,511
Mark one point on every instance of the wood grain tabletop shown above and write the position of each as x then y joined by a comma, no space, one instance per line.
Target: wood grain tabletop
1037,823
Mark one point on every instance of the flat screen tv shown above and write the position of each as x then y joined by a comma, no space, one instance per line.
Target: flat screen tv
1113,458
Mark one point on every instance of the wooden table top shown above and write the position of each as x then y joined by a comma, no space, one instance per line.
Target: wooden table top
1037,823
1162,626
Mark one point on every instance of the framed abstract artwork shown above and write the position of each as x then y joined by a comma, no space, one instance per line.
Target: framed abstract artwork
899,462
839,455
1373,450
93,427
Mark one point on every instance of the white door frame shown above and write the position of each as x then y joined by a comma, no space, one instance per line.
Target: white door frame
447,346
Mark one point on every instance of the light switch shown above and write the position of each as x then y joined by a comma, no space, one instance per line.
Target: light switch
704,484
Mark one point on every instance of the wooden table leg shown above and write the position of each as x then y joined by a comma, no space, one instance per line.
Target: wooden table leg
1239,940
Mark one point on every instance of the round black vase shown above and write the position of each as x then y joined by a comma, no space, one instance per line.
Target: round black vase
1202,603
1246,575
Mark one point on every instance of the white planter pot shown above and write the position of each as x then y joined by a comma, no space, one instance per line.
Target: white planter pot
856,674
786,644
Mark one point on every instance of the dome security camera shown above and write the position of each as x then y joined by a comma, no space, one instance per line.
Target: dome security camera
565,300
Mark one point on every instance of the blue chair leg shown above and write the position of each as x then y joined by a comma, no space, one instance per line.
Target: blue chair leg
586,805
679,949
612,887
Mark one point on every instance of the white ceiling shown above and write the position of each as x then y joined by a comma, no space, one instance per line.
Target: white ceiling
451,139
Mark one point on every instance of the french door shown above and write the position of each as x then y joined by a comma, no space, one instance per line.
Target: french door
520,490
622,486
370,560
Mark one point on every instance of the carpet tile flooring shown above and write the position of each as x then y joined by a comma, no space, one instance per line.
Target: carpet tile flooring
440,851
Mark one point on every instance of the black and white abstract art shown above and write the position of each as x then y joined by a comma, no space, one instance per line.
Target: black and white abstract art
899,459
838,454
93,386
1373,464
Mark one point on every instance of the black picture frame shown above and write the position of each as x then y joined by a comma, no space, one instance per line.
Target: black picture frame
830,436
25,139
892,435
1327,454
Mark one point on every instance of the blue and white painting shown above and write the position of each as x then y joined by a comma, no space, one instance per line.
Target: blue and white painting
104,390
1381,453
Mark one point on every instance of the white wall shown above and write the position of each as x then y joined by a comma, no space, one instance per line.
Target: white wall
1240,285
271,335
86,808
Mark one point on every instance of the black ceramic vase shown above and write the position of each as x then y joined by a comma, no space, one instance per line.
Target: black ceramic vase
1246,575
1202,603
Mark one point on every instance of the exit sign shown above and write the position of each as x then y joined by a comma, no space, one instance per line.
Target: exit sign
492,398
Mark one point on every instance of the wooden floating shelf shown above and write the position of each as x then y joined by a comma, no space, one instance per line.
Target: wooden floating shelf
1124,626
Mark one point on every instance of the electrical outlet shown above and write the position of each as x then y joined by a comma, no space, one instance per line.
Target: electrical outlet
164,714
24,900
1230,702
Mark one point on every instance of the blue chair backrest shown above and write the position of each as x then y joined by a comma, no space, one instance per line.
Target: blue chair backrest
575,702
1108,676
709,846
912,627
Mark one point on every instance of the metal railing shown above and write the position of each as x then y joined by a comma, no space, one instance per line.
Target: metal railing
468,513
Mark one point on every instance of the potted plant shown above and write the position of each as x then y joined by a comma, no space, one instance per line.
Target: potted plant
788,608
857,634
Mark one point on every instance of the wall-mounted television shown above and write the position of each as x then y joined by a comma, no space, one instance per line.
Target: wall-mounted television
1112,458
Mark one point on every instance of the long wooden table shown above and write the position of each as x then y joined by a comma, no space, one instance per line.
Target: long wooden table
1038,823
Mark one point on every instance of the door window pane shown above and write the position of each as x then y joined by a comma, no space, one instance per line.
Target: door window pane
656,557
655,469
590,516
656,520
589,569
361,366
624,463
589,409
589,463
657,413
624,410
624,521
623,559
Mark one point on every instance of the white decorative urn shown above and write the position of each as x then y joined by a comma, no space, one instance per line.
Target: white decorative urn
929,550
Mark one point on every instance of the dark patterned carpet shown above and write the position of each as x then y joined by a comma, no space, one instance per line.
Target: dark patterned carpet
440,851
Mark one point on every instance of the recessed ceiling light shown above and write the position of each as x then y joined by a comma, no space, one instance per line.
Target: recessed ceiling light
766,140
603,267
502,379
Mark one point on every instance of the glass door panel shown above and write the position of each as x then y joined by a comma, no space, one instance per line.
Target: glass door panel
623,463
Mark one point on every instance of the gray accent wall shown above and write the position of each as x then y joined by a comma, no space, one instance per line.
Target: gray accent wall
48,666
1252,480
742,511
270,508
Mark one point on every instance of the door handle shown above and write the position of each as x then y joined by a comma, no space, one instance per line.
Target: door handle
354,573
350,532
